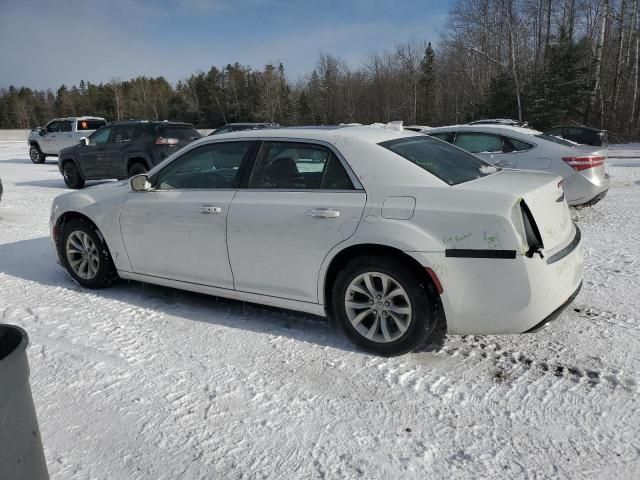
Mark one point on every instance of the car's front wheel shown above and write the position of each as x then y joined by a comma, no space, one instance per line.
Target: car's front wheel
85,255
36,154
71,175
383,305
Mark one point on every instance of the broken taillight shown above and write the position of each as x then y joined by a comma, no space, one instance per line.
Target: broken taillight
531,231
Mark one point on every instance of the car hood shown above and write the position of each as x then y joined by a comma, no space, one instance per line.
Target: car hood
118,184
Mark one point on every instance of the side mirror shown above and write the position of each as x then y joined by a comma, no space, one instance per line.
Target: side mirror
42,132
84,141
140,183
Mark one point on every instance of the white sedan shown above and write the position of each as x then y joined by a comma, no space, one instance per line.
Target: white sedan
383,230
585,181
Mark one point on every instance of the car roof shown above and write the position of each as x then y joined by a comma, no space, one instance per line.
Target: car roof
492,128
498,121
78,118
330,134
150,122
242,124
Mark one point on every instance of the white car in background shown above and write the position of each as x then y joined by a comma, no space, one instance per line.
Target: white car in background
60,133
581,167
378,228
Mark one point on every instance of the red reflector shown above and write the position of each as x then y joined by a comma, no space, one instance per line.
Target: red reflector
582,163
436,280
166,141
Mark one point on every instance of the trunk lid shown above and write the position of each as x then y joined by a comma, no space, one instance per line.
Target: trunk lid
542,192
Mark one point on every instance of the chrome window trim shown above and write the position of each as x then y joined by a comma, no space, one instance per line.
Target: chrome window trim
357,186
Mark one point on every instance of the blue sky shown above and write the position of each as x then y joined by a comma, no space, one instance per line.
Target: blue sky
44,44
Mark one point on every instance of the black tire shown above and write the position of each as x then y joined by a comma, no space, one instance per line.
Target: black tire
422,300
71,175
106,271
137,168
36,154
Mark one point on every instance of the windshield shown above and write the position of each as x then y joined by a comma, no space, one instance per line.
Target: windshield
179,132
450,164
554,139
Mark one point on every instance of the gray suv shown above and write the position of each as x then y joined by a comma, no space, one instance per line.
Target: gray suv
123,149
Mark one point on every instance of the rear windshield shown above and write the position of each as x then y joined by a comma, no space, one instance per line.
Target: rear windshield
90,124
179,132
554,139
450,164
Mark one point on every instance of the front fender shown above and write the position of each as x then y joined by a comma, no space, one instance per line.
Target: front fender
102,206
69,157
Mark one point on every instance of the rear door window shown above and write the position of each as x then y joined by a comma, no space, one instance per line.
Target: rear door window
519,145
100,137
66,125
122,133
298,166
90,124
450,164
479,142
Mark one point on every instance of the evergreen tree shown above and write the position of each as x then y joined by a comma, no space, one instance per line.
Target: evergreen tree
428,86
563,92
303,110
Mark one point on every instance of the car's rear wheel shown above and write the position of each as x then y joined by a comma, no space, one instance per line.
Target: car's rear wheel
137,168
36,154
85,255
383,305
71,175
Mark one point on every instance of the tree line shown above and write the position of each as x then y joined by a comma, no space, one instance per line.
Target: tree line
547,62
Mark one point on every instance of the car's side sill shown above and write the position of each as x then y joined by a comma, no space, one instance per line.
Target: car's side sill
307,307
476,253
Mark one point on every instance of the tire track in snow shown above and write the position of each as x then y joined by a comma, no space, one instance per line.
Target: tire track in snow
507,360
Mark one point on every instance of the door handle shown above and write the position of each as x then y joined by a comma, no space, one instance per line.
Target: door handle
210,209
323,213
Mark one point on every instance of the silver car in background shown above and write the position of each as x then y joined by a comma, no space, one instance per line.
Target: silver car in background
585,181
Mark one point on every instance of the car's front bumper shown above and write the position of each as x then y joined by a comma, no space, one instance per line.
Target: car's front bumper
506,295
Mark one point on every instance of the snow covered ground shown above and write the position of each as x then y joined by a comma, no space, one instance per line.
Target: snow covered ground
144,382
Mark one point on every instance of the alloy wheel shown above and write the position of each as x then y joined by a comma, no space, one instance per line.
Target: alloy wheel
34,154
82,255
378,307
